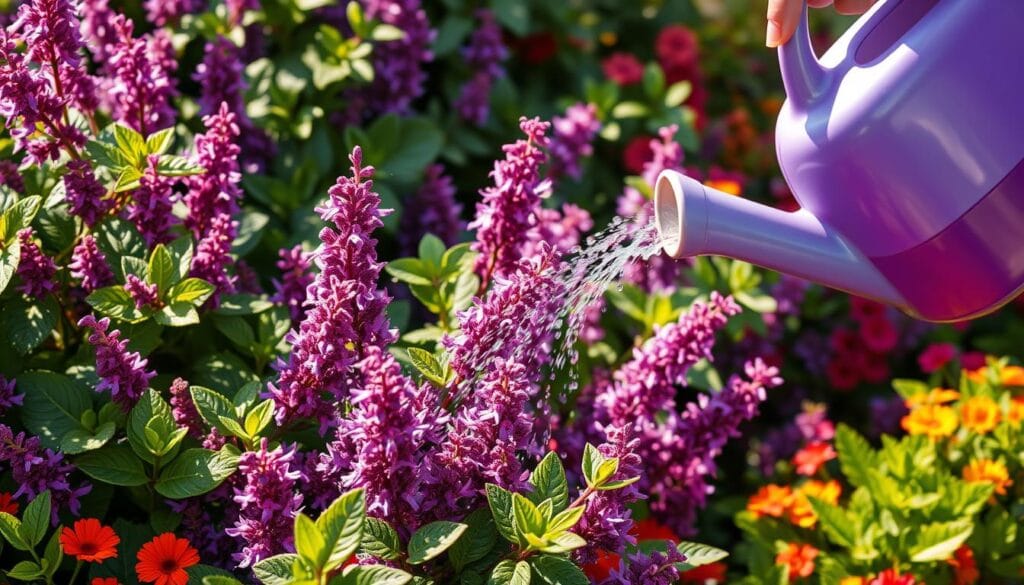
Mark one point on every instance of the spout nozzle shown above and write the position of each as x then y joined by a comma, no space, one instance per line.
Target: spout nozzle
680,212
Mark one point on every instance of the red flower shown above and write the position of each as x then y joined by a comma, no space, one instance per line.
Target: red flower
537,48
862,308
105,581
601,568
676,47
637,153
878,334
706,574
874,366
972,360
8,504
164,559
965,568
650,529
935,356
812,457
892,577
623,69
843,374
89,541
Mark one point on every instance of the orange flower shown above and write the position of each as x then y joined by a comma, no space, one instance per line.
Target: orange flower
979,414
800,511
930,419
965,569
771,500
710,574
1015,415
8,504
1012,376
853,581
977,375
105,581
812,457
89,541
799,558
164,559
935,396
986,470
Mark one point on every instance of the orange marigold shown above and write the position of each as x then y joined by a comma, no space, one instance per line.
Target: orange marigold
89,541
810,459
1012,376
1015,414
934,396
989,471
164,559
799,558
979,414
800,511
771,500
933,420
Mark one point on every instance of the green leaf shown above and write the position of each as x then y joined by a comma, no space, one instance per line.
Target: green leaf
18,217
259,418
433,539
233,428
161,270
678,93
557,571
309,543
478,540
562,543
10,528
565,519
113,464
427,364
53,554
409,270
387,32
220,580
500,502
130,144
275,570
836,523
25,571
938,541
698,555
250,231
9,258
36,519
80,440
513,15
592,459
195,472
160,142
549,482
380,540
528,517
149,407
371,575
619,484
856,457
28,322
211,406
342,526
625,110
177,314
53,405
114,301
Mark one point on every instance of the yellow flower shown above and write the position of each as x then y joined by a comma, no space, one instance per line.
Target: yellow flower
935,396
800,511
853,581
770,500
979,414
1012,376
988,471
931,419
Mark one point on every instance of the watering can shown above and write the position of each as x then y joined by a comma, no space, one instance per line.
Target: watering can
904,145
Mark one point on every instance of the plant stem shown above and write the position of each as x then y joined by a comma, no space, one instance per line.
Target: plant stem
74,575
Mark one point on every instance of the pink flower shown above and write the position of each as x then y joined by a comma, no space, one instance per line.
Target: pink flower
878,334
937,355
972,360
843,374
623,69
863,309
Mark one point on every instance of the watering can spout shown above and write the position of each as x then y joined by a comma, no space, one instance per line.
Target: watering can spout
694,219
802,74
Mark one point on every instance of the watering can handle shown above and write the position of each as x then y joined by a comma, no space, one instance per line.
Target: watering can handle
802,73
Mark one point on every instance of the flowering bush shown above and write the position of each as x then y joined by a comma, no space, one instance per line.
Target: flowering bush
272,312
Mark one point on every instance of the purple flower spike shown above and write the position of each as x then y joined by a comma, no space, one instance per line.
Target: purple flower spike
85,195
432,210
35,269
572,139
151,206
504,217
142,83
484,54
216,191
267,503
89,265
184,410
35,470
213,254
346,311
296,276
144,295
655,568
122,372
8,399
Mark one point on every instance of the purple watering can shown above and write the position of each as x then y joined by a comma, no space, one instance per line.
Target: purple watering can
904,145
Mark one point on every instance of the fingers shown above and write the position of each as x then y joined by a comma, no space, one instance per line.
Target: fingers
853,6
783,17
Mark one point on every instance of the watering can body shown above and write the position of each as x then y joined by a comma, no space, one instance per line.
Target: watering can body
904,145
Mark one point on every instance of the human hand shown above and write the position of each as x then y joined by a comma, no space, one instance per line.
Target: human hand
784,15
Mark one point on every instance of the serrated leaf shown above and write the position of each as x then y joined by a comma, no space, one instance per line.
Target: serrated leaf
196,472
114,301
171,165
510,572
500,502
113,464
528,517
19,216
342,526
372,575
856,457
309,543
557,571
211,406
433,539
275,570
10,528
380,540
427,364
592,459
36,519
938,541
565,519
835,522
160,142
548,481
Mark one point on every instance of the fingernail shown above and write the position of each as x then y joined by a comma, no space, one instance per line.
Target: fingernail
774,34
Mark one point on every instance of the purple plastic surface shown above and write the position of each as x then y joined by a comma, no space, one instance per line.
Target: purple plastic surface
892,144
